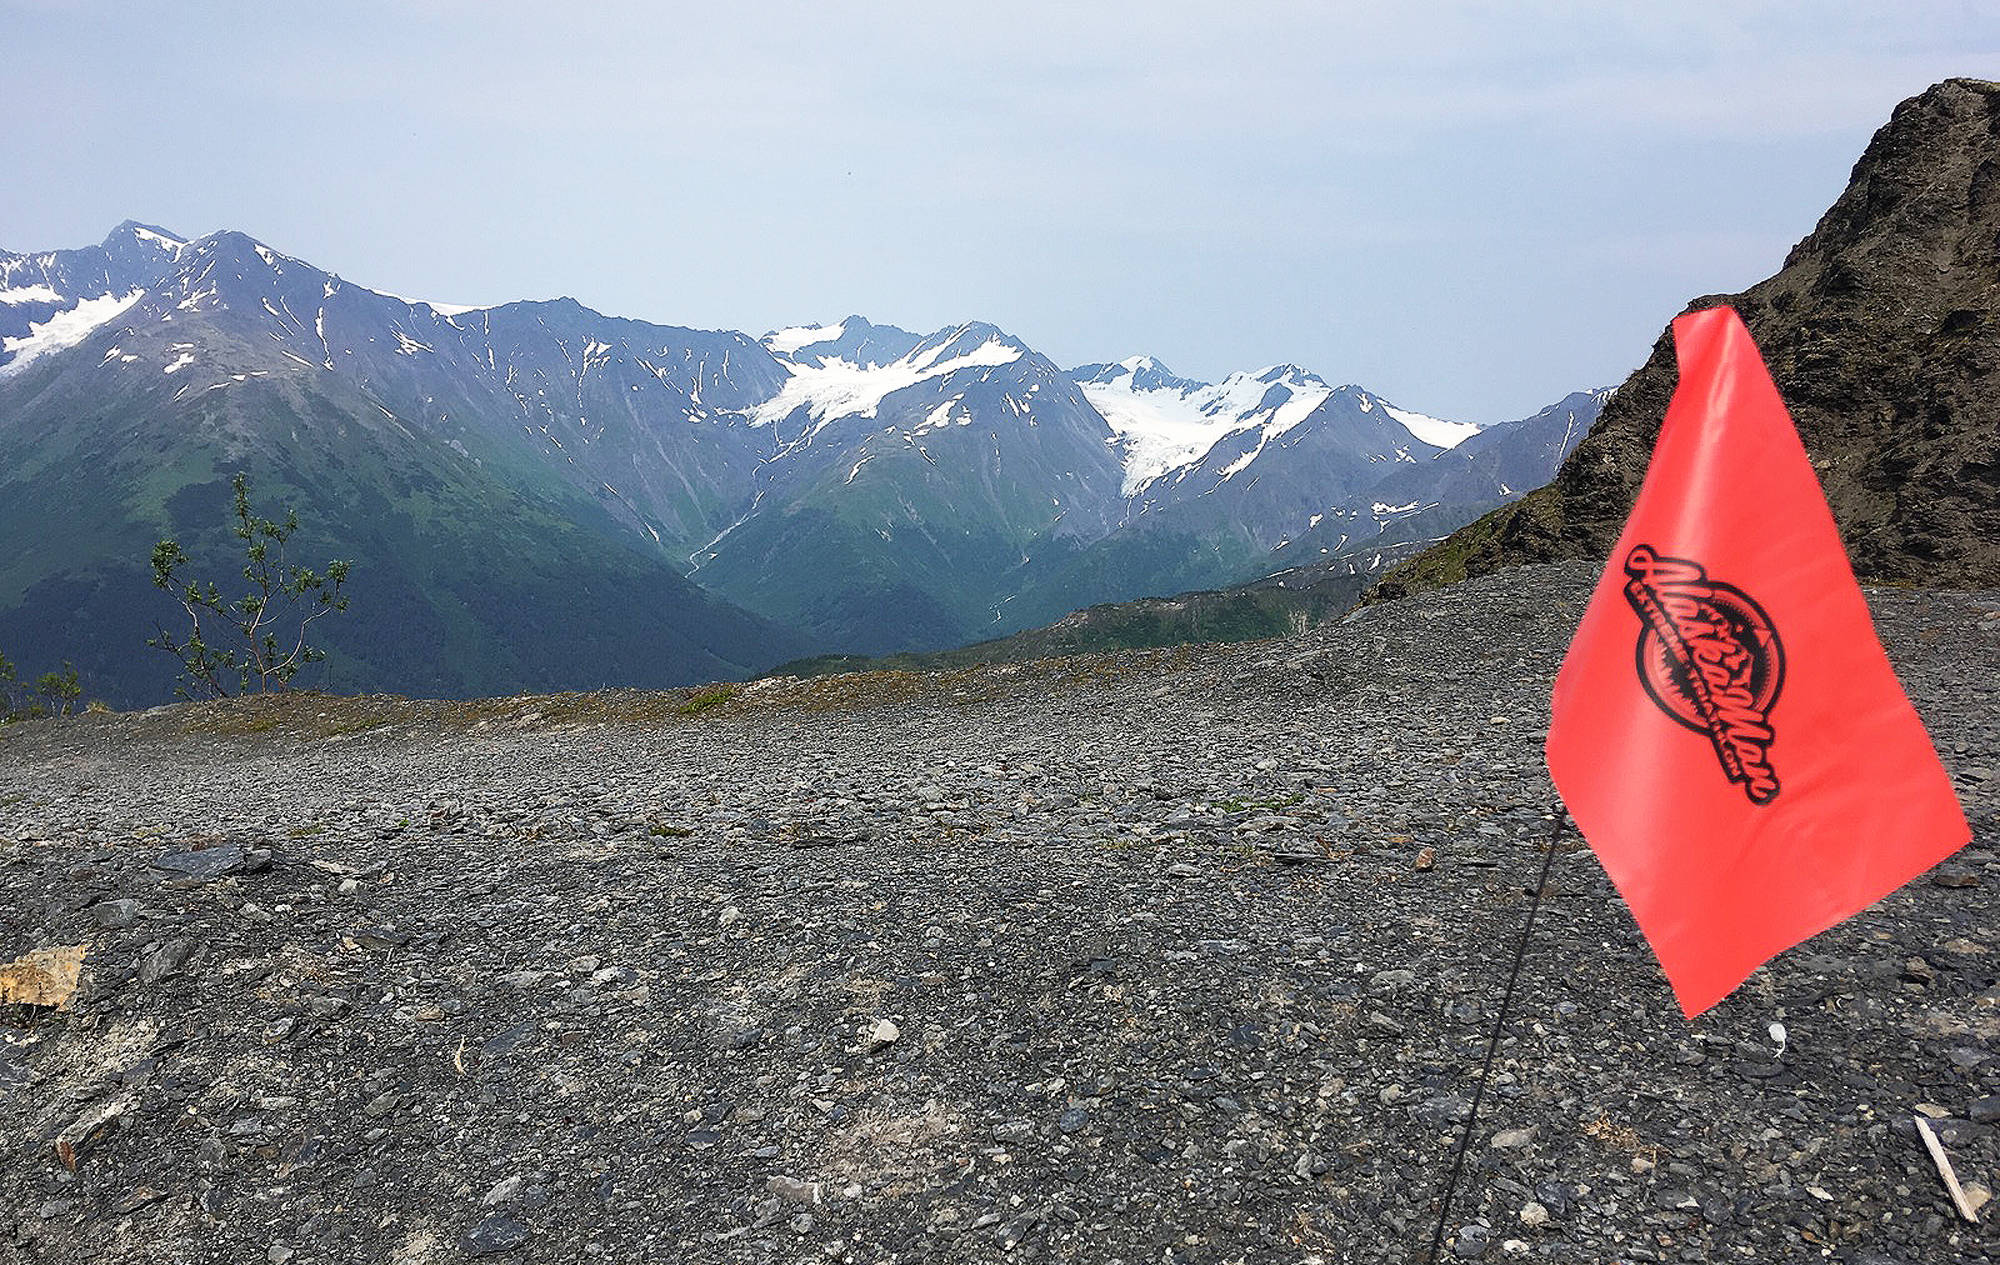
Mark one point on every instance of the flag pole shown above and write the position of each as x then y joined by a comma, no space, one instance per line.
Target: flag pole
1493,1041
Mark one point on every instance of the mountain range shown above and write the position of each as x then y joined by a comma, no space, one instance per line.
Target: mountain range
539,496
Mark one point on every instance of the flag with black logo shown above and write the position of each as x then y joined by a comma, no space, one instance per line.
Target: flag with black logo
1727,731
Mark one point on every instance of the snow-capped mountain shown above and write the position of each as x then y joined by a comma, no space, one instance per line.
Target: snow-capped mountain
1167,424
1421,502
52,300
914,480
866,487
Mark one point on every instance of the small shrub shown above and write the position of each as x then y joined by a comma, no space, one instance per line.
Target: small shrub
282,595
53,693
59,690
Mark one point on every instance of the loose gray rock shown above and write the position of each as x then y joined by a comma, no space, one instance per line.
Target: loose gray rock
114,915
203,863
165,961
792,1190
493,1235
532,997
505,1191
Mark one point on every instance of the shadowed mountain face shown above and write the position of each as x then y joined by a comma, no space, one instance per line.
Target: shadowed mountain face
1882,332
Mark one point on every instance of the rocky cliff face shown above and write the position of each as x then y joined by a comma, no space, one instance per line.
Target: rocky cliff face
1882,331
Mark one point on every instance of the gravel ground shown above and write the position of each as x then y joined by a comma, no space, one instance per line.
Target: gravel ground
1182,956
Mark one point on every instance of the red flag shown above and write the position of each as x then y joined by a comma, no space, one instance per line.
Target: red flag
1726,729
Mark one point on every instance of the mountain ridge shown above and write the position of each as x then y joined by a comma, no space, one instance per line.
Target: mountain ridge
855,486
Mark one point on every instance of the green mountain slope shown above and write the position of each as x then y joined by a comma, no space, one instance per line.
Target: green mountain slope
478,569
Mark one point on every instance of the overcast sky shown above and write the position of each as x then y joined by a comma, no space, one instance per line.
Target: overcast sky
1470,208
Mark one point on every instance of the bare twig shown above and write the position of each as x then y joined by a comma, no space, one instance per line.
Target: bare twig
1944,1170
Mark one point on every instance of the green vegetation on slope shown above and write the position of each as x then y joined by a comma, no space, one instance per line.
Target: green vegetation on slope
1270,608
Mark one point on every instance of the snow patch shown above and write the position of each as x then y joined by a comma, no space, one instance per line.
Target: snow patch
442,309
64,329
1242,463
29,294
841,388
1162,430
784,342
179,362
173,244
994,351
1432,430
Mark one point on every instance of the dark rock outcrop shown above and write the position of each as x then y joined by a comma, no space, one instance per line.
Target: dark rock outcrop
1882,331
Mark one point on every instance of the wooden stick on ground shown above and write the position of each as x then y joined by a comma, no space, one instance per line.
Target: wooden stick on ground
1944,1170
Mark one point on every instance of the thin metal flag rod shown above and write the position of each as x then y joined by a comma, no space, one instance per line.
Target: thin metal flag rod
1493,1041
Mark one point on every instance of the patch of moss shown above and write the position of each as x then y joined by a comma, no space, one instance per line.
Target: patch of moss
706,699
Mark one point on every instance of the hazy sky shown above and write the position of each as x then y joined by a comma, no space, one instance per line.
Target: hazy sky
1471,208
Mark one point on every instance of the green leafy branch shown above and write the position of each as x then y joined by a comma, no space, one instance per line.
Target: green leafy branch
239,642
53,692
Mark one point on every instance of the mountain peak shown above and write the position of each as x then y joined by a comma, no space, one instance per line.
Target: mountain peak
1288,374
229,243
979,332
148,235
971,339
853,339
1135,373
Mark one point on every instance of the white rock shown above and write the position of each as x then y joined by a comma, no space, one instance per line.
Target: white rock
794,1190
884,1033
504,1190
1533,1215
